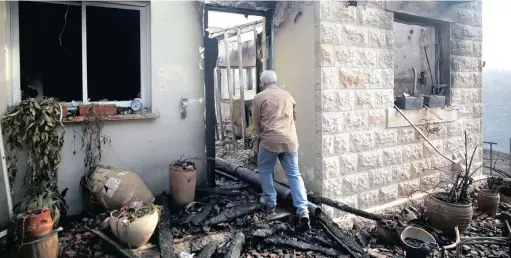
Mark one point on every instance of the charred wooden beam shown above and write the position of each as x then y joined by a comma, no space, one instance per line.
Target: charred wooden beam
202,241
236,246
226,192
124,252
201,216
164,231
209,250
233,213
343,207
266,232
302,246
238,203
347,243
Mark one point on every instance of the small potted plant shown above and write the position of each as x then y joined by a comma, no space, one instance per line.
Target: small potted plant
44,200
448,209
183,177
488,198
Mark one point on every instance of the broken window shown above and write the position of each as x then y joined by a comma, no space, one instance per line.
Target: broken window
90,52
419,62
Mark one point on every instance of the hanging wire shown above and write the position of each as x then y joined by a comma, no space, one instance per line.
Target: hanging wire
63,29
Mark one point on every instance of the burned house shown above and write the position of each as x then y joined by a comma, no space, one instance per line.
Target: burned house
345,62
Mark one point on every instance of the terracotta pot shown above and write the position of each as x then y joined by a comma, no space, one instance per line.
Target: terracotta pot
36,223
116,188
106,109
65,110
445,216
488,201
182,184
136,233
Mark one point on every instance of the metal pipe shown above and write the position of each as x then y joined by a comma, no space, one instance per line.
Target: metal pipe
242,89
491,159
228,62
218,104
423,136
251,177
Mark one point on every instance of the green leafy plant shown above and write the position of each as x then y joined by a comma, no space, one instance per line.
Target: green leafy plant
32,126
44,197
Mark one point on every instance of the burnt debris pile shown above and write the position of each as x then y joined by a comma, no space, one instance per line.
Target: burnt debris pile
229,222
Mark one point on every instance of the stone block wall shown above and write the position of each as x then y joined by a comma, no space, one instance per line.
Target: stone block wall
359,159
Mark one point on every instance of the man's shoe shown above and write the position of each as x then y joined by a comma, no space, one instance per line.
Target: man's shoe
269,209
303,222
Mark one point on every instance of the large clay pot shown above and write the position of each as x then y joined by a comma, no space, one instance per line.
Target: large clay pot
116,188
182,184
44,247
136,233
488,201
445,216
36,223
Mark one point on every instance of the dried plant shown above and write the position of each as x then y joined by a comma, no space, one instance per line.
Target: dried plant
457,193
182,162
93,141
93,138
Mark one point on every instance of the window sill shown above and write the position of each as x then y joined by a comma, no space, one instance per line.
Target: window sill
118,117
421,116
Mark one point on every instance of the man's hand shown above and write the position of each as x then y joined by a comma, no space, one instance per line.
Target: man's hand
255,146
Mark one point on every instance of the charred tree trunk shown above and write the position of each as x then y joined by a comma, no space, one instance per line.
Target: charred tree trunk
346,242
343,207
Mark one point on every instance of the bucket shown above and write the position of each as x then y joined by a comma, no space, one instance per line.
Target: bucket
425,242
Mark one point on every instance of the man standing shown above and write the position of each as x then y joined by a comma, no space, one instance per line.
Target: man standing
274,115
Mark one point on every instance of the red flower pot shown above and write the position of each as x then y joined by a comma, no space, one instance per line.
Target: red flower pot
36,223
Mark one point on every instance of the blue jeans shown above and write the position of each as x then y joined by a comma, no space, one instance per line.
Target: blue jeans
289,161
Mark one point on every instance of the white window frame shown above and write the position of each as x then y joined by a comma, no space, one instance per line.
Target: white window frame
13,51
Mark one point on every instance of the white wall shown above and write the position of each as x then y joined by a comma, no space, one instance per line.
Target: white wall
147,147
409,42
294,62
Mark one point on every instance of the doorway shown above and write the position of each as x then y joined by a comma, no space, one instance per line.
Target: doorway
237,48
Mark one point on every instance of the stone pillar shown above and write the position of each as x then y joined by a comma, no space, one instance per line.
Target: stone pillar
362,161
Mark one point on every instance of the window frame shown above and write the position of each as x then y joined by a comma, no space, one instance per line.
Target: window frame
443,37
13,50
